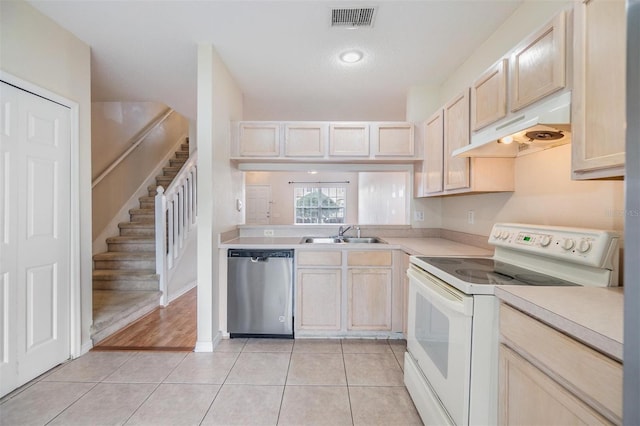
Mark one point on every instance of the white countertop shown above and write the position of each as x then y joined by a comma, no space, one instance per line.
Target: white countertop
594,316
436,247
414,246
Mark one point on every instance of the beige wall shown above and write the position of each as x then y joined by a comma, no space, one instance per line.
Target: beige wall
36,49
119,190
545,193
282,210
113,125
219,184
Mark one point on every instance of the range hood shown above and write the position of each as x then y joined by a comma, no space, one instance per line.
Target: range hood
544,125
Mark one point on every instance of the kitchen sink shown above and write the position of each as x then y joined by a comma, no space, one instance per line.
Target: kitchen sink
341,240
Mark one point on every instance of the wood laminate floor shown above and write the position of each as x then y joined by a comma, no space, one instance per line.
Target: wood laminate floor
172,328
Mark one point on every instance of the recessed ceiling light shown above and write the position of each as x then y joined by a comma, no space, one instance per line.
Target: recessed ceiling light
351,56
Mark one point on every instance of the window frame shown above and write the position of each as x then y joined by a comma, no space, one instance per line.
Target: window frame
310,188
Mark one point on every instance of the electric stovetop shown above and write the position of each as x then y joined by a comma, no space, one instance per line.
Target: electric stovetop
479,270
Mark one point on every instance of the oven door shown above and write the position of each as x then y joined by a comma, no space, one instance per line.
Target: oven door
439,340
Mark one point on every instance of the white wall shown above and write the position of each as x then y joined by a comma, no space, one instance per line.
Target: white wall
219,184
324,109
544,192
36,49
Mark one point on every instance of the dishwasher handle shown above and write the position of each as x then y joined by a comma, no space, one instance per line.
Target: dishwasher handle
257,255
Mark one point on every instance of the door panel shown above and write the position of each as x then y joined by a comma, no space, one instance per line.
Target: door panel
258,204
35,202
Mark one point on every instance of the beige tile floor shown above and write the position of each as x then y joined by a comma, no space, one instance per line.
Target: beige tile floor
244,382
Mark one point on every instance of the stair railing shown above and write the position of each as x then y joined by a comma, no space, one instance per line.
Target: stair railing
175,215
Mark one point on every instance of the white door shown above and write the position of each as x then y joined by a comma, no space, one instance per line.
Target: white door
258,204
34,235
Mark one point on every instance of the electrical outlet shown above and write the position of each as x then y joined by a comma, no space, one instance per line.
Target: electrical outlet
419,215
268,232
471,217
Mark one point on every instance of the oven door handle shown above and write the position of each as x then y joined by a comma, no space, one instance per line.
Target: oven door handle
441,293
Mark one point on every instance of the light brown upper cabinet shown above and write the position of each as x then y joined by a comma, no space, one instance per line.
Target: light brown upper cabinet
598,107
538,64
489,96
433,159
392,139
259,139
305,139
456,135
349,139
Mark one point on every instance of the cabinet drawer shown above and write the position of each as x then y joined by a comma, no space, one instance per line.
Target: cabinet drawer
319,258
369,258
591,376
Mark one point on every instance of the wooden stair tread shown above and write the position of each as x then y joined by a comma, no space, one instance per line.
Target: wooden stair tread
141,224
125,255
124,275
123,239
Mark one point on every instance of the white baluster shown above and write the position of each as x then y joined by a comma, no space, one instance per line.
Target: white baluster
161,242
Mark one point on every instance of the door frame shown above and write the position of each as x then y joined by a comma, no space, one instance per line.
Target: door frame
75,307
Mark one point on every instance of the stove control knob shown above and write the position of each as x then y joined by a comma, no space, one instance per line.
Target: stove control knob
545,240
504,235
496,234
568,244
584,246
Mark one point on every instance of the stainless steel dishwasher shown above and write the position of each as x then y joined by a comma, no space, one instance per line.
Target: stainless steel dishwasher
260,293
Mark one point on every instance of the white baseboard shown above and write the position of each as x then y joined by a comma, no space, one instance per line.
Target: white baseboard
208,346
182,291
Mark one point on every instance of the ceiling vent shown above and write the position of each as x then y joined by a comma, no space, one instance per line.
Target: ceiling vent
352,17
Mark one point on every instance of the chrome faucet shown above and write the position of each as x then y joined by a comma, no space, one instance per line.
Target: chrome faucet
342,230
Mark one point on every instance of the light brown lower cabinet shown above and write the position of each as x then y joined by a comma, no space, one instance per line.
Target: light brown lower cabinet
530,397
369,299
548,378
318,298
342,291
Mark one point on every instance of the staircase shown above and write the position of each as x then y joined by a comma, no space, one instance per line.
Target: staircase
125,283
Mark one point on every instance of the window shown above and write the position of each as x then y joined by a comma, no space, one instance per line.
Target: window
325,204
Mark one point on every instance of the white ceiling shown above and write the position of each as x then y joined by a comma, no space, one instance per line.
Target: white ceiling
283,54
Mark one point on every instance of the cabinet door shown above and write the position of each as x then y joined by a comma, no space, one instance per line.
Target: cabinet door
528,396
433,154
259,140
456,135
369,299
393,139
598,108
489,96
538,64
305,140
349,139
318,299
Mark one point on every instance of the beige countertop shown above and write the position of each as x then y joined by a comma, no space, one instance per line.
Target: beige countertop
591,315
414,246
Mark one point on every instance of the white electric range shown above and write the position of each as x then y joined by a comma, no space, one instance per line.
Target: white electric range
451,364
